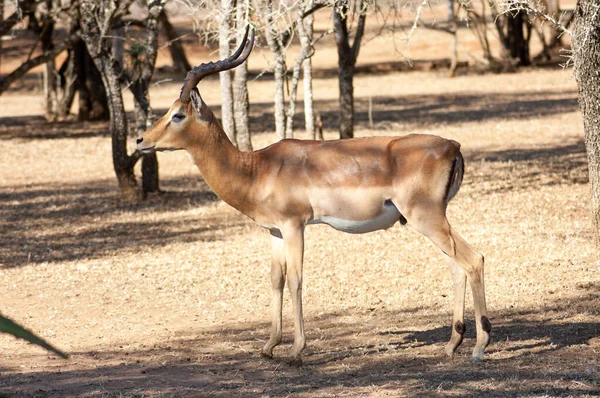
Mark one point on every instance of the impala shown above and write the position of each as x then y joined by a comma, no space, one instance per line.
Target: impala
356,186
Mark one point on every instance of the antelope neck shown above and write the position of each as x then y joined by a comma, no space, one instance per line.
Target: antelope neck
226,170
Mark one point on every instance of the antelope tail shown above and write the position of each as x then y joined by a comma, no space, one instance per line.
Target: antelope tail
456,176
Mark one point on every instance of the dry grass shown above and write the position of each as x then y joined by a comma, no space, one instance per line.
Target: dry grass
171,297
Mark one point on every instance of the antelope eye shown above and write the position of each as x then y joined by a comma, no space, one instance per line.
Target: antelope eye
178,117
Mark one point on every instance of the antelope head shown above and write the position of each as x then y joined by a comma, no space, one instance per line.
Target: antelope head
189,116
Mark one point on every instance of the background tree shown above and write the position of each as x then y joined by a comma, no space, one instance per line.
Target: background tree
98,21
343,13
586,59
25,9
301,27
92,100
518,33
306,38
142,69
226,23
180,62
241,101
271,16
231,19
585,43
280,22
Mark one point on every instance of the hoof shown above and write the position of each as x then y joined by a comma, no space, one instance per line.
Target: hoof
450,350
477,359
266,355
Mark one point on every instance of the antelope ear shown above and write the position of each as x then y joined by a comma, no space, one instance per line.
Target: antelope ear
196,100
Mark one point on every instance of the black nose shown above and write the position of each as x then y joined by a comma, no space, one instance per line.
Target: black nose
139,140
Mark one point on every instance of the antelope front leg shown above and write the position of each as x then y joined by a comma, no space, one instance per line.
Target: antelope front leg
278,270
294,252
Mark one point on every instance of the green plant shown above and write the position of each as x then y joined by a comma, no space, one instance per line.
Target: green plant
11,327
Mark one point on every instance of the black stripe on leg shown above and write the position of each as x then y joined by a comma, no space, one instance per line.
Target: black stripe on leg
460,327
486,324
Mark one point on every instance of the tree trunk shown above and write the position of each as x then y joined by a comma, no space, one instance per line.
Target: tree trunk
318,135
273,37
144,118
93,104
454,30
122,163
96,22
241,104
479,28
1,22
346,86
291,108
518,43
225,23
180,61
68,86
347,55
304,54
306,43
586,57
140,88
279,98
50,86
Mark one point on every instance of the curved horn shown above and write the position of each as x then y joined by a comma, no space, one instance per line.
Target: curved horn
197,73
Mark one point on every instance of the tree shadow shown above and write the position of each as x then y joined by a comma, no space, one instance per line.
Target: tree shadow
397,114
65,222
492,171
402,114
38,128
536,351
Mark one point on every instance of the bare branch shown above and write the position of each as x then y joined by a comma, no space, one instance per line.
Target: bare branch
314,9
416,21
514,6
32,63
23,8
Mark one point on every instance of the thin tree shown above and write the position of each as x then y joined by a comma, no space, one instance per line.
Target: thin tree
305,52
270,16
46,32
241,102
281,21
306,43
140,85
348,51
1,22
180,61
226,17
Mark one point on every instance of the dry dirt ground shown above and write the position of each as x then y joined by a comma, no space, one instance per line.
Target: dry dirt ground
170,297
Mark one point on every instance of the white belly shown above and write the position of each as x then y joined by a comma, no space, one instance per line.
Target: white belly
388,216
